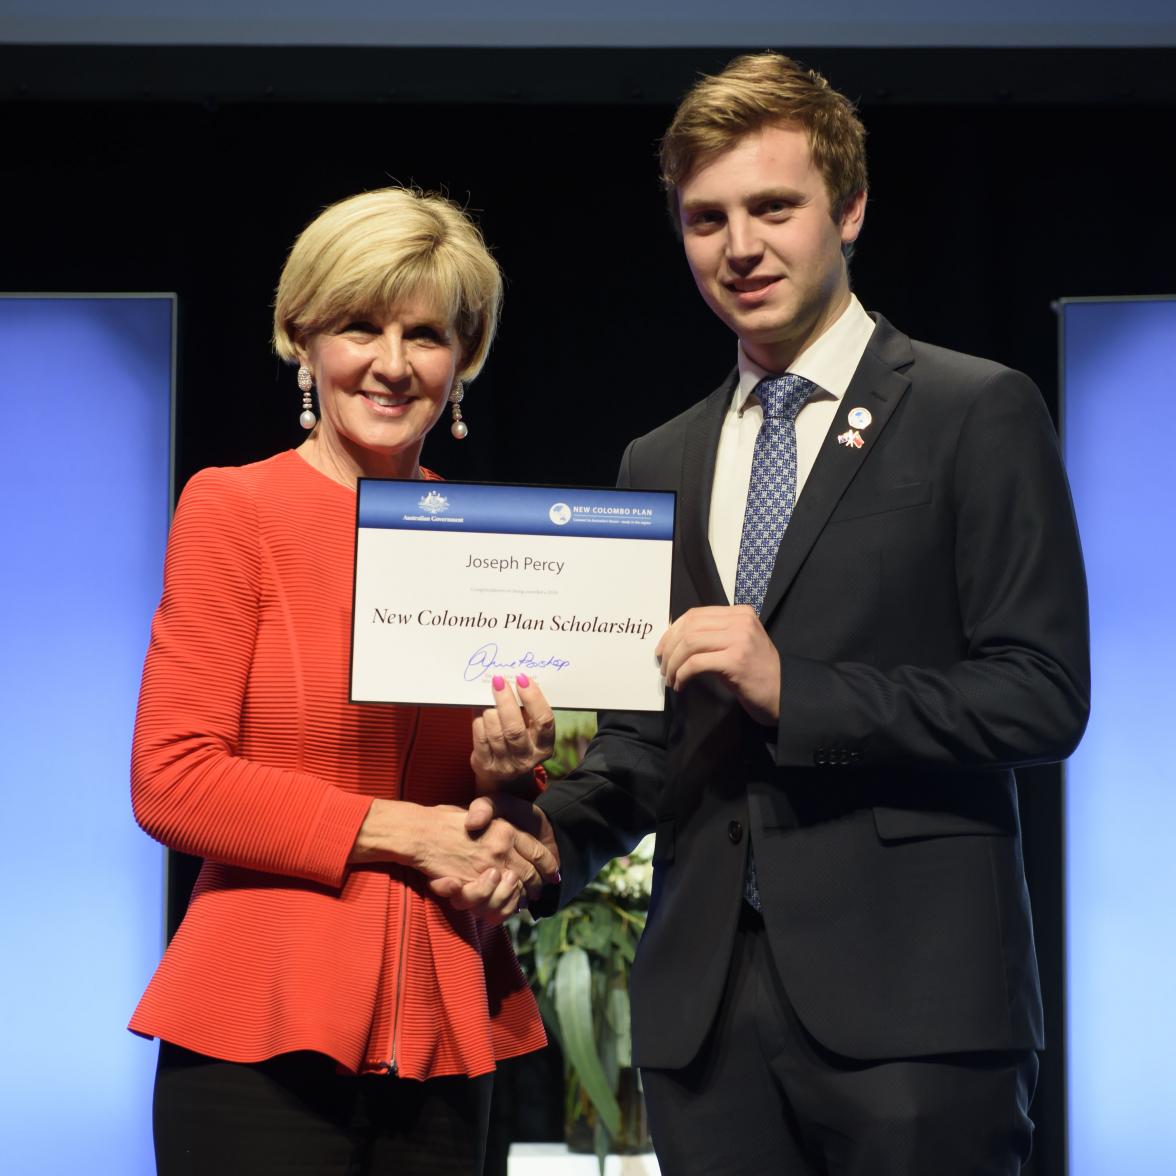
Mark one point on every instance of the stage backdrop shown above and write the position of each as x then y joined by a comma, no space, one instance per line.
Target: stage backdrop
84,504
1119,410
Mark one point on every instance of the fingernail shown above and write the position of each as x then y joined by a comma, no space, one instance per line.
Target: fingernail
523,680
498,682
558,878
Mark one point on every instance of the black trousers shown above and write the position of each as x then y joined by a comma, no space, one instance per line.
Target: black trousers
764,1097
294,1115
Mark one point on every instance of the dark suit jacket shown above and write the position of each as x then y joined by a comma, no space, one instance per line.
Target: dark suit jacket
928,603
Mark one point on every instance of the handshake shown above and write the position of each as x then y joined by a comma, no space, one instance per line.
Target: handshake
515,840
496,856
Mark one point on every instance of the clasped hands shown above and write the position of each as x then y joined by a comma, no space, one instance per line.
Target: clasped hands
498,855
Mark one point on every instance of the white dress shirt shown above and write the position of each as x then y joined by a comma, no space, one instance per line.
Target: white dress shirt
829,362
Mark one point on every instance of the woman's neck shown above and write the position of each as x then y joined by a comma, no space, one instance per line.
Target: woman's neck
346,464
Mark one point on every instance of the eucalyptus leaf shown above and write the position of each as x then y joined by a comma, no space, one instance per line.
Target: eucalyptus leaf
619,1018
595,932
548,935
602,1141
573,1005
609,1063
550,1018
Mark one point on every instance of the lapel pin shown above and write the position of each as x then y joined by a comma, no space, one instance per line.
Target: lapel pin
851,437
860,418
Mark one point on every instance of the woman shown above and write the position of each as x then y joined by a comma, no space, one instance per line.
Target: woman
320,1010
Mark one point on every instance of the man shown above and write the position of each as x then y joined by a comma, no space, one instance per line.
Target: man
879,611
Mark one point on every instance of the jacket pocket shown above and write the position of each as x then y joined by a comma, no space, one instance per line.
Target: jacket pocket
896,498
899,824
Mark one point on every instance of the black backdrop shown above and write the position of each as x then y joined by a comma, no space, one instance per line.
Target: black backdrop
1000,180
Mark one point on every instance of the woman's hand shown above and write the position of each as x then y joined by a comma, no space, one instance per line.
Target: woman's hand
436,840
511,740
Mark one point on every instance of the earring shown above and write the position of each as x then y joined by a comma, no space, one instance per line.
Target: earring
459,428
305,383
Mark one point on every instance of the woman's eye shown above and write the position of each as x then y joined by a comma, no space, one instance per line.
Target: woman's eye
360,327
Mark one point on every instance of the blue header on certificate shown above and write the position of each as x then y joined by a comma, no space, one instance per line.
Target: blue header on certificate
515,510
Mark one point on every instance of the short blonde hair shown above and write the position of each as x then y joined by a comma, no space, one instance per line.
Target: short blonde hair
759,90
369,253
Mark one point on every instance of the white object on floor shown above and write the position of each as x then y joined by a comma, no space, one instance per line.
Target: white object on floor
554,1159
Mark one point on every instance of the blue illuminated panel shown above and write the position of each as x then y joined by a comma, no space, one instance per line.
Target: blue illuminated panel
1119,363
84,493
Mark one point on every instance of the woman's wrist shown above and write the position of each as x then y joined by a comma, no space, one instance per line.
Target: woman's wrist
389,833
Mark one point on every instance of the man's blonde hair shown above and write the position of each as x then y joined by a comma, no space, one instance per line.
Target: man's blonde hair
759,90
367,254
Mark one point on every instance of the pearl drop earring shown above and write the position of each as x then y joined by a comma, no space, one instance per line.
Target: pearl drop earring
305,383
459,428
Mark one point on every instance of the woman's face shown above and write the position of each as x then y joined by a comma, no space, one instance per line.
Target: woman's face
382,383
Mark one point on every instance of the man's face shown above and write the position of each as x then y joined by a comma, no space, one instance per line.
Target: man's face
762,244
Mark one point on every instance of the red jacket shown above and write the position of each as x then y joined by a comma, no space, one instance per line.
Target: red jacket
248,754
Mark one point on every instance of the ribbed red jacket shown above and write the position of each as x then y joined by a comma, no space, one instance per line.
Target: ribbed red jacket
248,754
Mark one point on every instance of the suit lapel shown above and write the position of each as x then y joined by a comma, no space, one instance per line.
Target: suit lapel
878,385
697,480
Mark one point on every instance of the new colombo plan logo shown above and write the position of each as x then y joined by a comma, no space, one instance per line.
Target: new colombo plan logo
560,513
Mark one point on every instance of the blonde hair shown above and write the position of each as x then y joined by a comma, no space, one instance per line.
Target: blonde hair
759,90
369,253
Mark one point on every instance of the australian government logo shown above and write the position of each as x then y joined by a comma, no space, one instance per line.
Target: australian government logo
434,503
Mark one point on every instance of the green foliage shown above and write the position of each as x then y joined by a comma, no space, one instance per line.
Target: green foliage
574,1001
579,961
573,733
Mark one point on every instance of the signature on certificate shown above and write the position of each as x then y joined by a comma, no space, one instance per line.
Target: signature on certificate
485,657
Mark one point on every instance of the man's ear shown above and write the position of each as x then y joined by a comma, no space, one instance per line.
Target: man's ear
853,217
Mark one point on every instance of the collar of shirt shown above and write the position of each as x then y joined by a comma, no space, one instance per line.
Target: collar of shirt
829,361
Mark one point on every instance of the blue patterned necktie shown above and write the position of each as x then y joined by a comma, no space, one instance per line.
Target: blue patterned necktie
771,495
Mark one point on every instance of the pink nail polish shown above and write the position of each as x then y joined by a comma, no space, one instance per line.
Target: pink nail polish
498,682
523,680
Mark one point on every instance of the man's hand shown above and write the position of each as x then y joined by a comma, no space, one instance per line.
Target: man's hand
727,640
509,739
496,895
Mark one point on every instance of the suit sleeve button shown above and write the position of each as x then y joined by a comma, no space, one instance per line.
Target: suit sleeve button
735,832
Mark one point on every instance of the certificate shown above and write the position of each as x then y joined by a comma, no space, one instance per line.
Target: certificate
457,582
